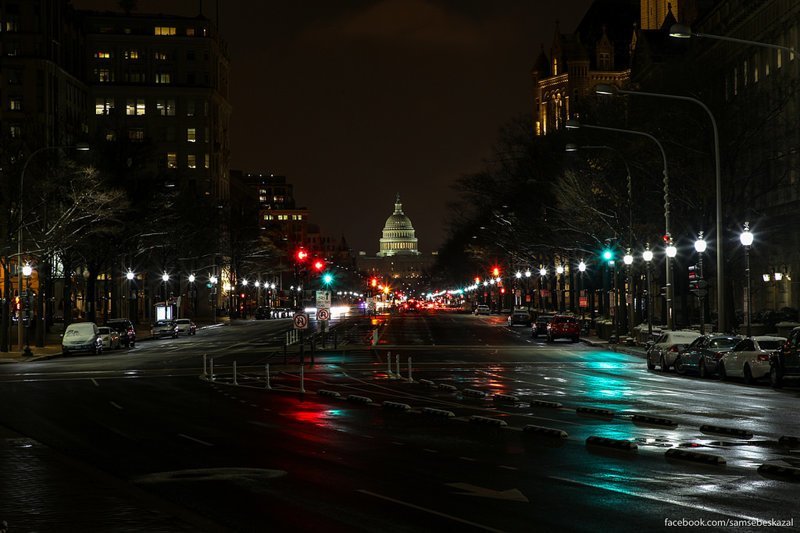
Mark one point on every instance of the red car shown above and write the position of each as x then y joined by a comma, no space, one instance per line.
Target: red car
563,327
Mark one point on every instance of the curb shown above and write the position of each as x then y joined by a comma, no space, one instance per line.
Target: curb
433,411
654,420
594,411
786,472
487,421
720,430
696,457
545,432
616,444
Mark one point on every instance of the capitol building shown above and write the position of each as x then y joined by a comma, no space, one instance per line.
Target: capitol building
398,254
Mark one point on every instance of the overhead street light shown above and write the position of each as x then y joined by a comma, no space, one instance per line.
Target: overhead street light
682,31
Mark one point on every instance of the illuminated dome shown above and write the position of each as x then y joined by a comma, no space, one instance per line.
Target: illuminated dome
398,234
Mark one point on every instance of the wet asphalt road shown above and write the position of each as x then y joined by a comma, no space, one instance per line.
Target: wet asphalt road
241,457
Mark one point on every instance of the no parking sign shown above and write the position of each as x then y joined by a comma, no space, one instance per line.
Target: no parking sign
300,321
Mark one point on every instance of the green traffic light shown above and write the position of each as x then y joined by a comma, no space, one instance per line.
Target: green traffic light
327,278
608,255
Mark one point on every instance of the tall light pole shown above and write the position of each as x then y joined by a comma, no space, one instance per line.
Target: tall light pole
26,271
582,270
746,238
21,216
671,253
647,255
573,124
213,280
628,260
611,90
681,31
129,277
542,274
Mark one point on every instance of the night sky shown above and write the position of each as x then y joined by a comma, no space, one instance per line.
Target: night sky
355,101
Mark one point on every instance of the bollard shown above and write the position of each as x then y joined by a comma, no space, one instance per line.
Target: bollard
389,365
267,374
205,374
397,364
212,369
302,380
410,379
234,374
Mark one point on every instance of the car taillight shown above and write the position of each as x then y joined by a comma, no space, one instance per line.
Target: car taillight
762,357
673,348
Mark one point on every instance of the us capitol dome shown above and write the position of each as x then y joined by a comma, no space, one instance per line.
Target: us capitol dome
398,234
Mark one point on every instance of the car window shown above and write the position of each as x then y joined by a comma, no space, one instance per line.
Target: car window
723,342
745,345
770,345
698,342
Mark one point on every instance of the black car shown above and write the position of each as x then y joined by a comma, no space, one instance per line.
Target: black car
785,362
539,327
262,313
703,354
127,333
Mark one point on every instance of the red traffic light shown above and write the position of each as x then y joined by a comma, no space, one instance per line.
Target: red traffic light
319,265
495,272
301,255
374,282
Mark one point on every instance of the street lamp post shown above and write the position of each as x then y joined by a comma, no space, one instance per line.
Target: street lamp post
582,270
573,124
647,255
129,277
628,260
560,287
700,246
672,251
746,238
213,280
542,274
165,280
26,271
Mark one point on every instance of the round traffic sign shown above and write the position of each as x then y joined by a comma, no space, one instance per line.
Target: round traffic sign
300,321
323,314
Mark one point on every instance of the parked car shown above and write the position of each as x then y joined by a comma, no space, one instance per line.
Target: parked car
110,337
785,363
185,326
262,313
483,310
519,317
749,359
127,333
666,348
82,337
703,354
563,327
539,327
164,328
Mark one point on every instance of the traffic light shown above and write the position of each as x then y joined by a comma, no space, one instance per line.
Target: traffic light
495,271
301,255
319,265
373,282
608,254
327,278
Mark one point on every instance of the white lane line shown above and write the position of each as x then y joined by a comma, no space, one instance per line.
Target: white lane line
398,443
204,443
429,450
118,406
96,384
431,511
659,498
368,436
506,467
470,459
253,405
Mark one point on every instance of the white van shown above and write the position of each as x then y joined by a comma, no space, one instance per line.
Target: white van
666,348
82,337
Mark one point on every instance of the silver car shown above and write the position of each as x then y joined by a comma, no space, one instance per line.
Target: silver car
666,348
164,328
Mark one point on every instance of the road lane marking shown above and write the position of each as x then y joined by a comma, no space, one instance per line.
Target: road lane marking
204,443
431,511
469,459
96,384
506,467
118,406
660,498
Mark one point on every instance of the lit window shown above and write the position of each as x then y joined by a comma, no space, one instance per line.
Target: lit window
15,131
172,160
165,108
104,75
135,107
163,77
191,135
191,161
267,217
102,55
11,23
755,68
780,58
160,56
206,161
131,54
164,30
111,135
15,103
103,106
190,32
136,134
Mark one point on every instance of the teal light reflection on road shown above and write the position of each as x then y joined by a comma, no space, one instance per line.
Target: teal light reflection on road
605,387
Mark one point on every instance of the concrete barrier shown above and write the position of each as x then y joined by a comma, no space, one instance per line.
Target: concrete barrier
545,432
397,406
654,420
487,421
614,444
695,457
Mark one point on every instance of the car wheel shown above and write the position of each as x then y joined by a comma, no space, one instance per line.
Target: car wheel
662,362
775,377
679,368
702,369
748,375
723,374
550,338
